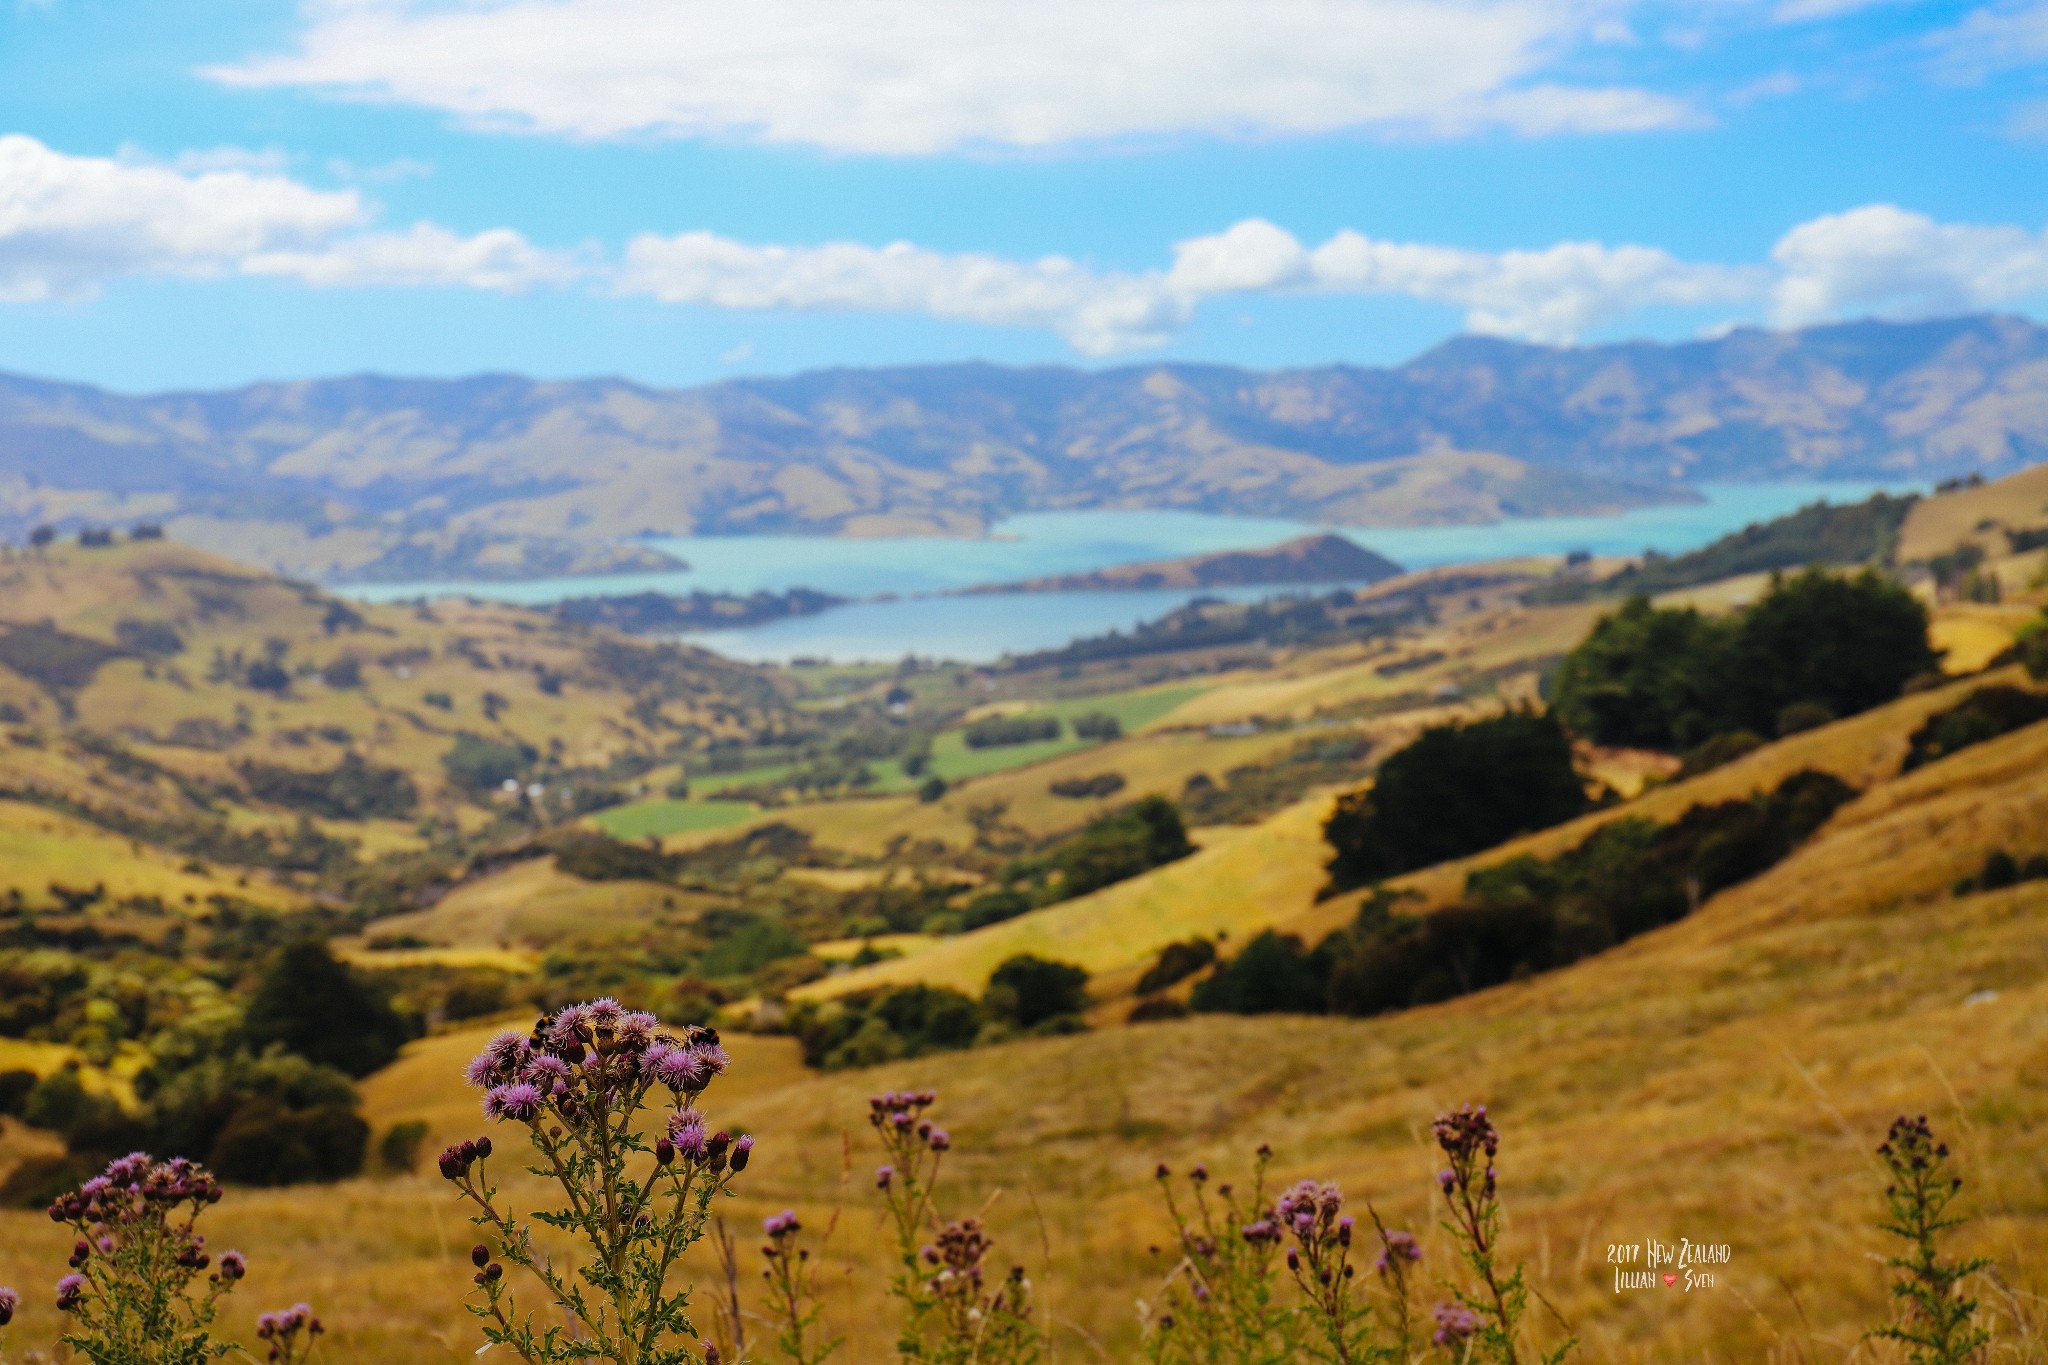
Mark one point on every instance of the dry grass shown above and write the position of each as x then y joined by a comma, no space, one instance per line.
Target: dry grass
531,904
1939,523
1723,1080
40,846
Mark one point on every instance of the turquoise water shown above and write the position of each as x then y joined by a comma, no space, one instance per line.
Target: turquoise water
978,629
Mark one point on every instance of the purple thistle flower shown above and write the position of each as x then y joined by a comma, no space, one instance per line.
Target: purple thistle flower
714,1058
9,1301
680,1069
545,1073
1454,1323
70,1290
686,1131
1400,1246
781,1224
499,1061
636,1030
883,1176
567,1029
742,1152
939,1140
519,1102
604,1013
233,1265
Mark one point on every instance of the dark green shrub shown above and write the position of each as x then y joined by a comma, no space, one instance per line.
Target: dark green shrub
14,1088
353,790
398,1151
1802,716
1082,788
993,907
344,672
597,857
878,1026
1985,714
1671,679
1177,962
1027,990
932,789
1722,748
1121,844
1098,725
1647,679
267,1144
311,1004
746,945
478,764
1003,731
1273,975
1456,790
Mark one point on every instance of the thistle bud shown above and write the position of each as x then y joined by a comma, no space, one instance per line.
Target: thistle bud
479,1255
664,1151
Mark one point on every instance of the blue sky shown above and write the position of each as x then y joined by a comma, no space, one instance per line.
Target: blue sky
220,191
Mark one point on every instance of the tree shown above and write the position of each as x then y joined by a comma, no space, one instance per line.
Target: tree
1142,836
311,1004
1029,990
1847,643
1819,645
1647,679
1457,789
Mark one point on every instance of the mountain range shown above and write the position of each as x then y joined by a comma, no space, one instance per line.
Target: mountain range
499,475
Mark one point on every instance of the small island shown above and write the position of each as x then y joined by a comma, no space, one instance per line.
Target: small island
1326,558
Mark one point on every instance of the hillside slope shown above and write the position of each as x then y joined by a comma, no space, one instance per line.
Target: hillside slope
498,474
1723,1079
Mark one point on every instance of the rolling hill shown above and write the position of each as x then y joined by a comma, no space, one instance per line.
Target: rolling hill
503,476
1722,1079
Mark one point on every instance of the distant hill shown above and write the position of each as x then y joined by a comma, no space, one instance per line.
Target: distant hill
1305,559
499,475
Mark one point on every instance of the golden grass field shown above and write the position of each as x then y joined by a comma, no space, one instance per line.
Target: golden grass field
1723,1079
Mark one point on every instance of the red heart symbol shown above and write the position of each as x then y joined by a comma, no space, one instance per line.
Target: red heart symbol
1670,1280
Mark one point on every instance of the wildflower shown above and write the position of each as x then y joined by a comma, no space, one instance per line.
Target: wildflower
500,1060
678,1068
883,1176
1397,1247
714,1058
519,1102
939,1140
1454,1323
782,1224
686,1131
9,1302
742,1151
233,1265
70,1291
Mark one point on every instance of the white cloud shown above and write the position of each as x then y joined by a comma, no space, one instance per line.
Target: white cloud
1555,294
1881,259
1995,38
425,256
922,76
68,223
1096,313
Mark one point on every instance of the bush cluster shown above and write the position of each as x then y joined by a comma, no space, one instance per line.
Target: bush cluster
1456,790
1002,731
1527,914
1817,646
1026,994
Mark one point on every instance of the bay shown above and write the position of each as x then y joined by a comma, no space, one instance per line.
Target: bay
1034,545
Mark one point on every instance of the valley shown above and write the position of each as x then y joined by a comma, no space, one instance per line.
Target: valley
480,809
